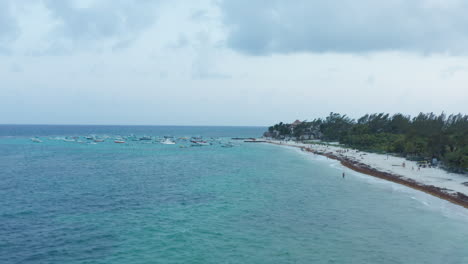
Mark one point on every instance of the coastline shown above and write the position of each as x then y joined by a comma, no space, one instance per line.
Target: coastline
410,179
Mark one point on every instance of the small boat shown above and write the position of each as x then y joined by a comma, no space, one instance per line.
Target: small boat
145,138
199,143
119,141
36,140
167,141
99,140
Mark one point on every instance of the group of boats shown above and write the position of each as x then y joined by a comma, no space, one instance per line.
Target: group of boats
166,140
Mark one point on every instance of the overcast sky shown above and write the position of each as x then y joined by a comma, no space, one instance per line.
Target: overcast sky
232,62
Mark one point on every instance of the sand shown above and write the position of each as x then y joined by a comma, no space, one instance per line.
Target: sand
446,182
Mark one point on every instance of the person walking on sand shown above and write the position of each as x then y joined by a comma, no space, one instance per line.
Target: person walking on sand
343,175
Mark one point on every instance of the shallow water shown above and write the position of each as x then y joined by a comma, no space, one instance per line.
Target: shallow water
65,202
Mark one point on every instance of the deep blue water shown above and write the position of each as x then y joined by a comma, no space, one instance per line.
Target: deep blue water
72,130
70,202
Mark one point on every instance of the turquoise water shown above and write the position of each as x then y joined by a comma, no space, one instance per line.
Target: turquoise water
66,202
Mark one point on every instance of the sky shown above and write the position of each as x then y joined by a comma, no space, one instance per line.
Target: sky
229,62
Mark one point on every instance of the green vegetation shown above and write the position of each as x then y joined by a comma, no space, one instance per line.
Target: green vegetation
425,136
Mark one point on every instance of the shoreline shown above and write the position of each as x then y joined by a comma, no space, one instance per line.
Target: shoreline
454,197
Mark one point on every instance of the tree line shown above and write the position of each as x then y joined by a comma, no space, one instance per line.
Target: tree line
425,136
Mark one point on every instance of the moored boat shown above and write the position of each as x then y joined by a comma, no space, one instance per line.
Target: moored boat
199,143
168,141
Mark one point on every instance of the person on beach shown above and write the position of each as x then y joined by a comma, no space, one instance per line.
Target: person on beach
343,175
404,164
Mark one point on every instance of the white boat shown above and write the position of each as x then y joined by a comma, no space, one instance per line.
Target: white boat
167,141
36,140
119,141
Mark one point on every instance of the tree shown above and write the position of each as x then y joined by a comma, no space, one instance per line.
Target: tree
426,135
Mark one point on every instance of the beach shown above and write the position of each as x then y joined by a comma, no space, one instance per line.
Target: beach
452,187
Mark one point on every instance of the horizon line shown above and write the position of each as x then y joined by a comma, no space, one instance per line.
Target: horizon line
131,125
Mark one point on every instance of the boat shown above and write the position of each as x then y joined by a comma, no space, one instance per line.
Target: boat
199,143
167,141
119,141
145,138
99,140
36,140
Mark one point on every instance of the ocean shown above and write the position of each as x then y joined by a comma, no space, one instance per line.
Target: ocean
71,200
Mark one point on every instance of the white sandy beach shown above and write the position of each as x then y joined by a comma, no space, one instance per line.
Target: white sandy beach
387,163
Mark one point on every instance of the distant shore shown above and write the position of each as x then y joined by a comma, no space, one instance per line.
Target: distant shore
448,186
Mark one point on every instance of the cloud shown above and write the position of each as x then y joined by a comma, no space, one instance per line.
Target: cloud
264,27
16,68
102,19
8,26
58,27
204,64
370,80
199,15
451,71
